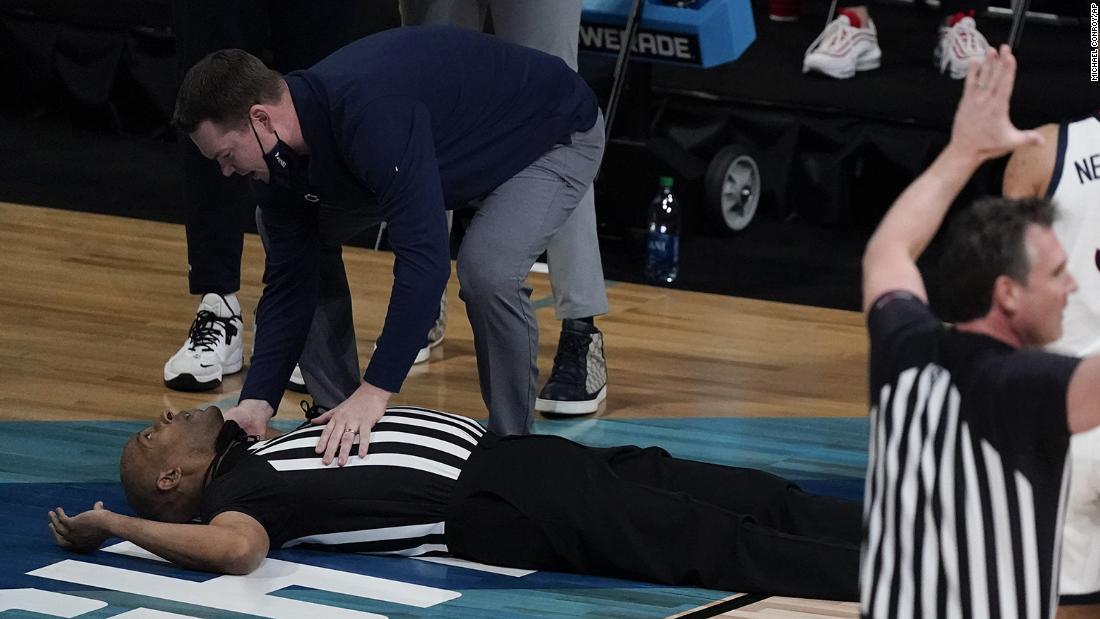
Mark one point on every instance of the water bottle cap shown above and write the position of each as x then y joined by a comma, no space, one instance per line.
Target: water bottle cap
666,181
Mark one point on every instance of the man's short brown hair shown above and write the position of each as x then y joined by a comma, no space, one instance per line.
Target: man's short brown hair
222,87
983,243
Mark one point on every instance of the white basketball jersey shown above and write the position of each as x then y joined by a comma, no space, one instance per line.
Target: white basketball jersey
1075,190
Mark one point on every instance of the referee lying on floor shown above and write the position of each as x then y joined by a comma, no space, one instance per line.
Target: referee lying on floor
438,483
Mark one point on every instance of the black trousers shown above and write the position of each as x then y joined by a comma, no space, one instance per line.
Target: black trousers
543,502
298,34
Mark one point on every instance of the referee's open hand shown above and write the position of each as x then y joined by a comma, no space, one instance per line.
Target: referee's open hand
982,128
350,423
83,532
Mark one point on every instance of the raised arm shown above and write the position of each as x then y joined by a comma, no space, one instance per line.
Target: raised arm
233,543
982,130
1030,167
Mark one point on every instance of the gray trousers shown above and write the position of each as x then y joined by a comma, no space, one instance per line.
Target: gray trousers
511,227
551,26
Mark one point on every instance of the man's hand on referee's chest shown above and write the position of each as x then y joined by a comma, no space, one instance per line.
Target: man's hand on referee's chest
350,423
252,416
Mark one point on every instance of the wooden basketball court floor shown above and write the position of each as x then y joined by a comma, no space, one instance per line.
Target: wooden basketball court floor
93,305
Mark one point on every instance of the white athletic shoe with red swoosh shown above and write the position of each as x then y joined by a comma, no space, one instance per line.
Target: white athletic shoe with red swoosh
844,47
960,45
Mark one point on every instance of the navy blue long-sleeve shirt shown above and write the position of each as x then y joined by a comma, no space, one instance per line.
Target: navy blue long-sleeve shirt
403,124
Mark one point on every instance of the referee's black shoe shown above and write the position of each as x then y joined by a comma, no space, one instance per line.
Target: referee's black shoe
578,382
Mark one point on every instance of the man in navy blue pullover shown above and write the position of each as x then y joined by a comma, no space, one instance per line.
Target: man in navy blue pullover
399,126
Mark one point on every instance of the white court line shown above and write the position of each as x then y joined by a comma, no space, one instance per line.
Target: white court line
149,613
481,567
132,550
49,603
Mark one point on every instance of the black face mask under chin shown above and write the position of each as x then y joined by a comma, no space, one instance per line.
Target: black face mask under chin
285,167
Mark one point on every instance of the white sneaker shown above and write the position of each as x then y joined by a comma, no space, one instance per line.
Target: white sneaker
297,382
960,45
842,49
213,347
435,335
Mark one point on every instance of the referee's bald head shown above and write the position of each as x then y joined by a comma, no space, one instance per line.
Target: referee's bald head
163,466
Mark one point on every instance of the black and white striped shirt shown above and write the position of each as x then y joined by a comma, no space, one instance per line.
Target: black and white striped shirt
967,473
393,501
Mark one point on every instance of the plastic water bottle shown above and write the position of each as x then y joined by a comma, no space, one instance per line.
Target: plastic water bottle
662,258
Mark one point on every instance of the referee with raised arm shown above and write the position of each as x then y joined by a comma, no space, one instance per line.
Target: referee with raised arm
970,422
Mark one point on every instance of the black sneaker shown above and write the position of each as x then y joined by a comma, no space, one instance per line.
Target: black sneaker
578,382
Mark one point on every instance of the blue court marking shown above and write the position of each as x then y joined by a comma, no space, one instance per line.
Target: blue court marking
72,464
